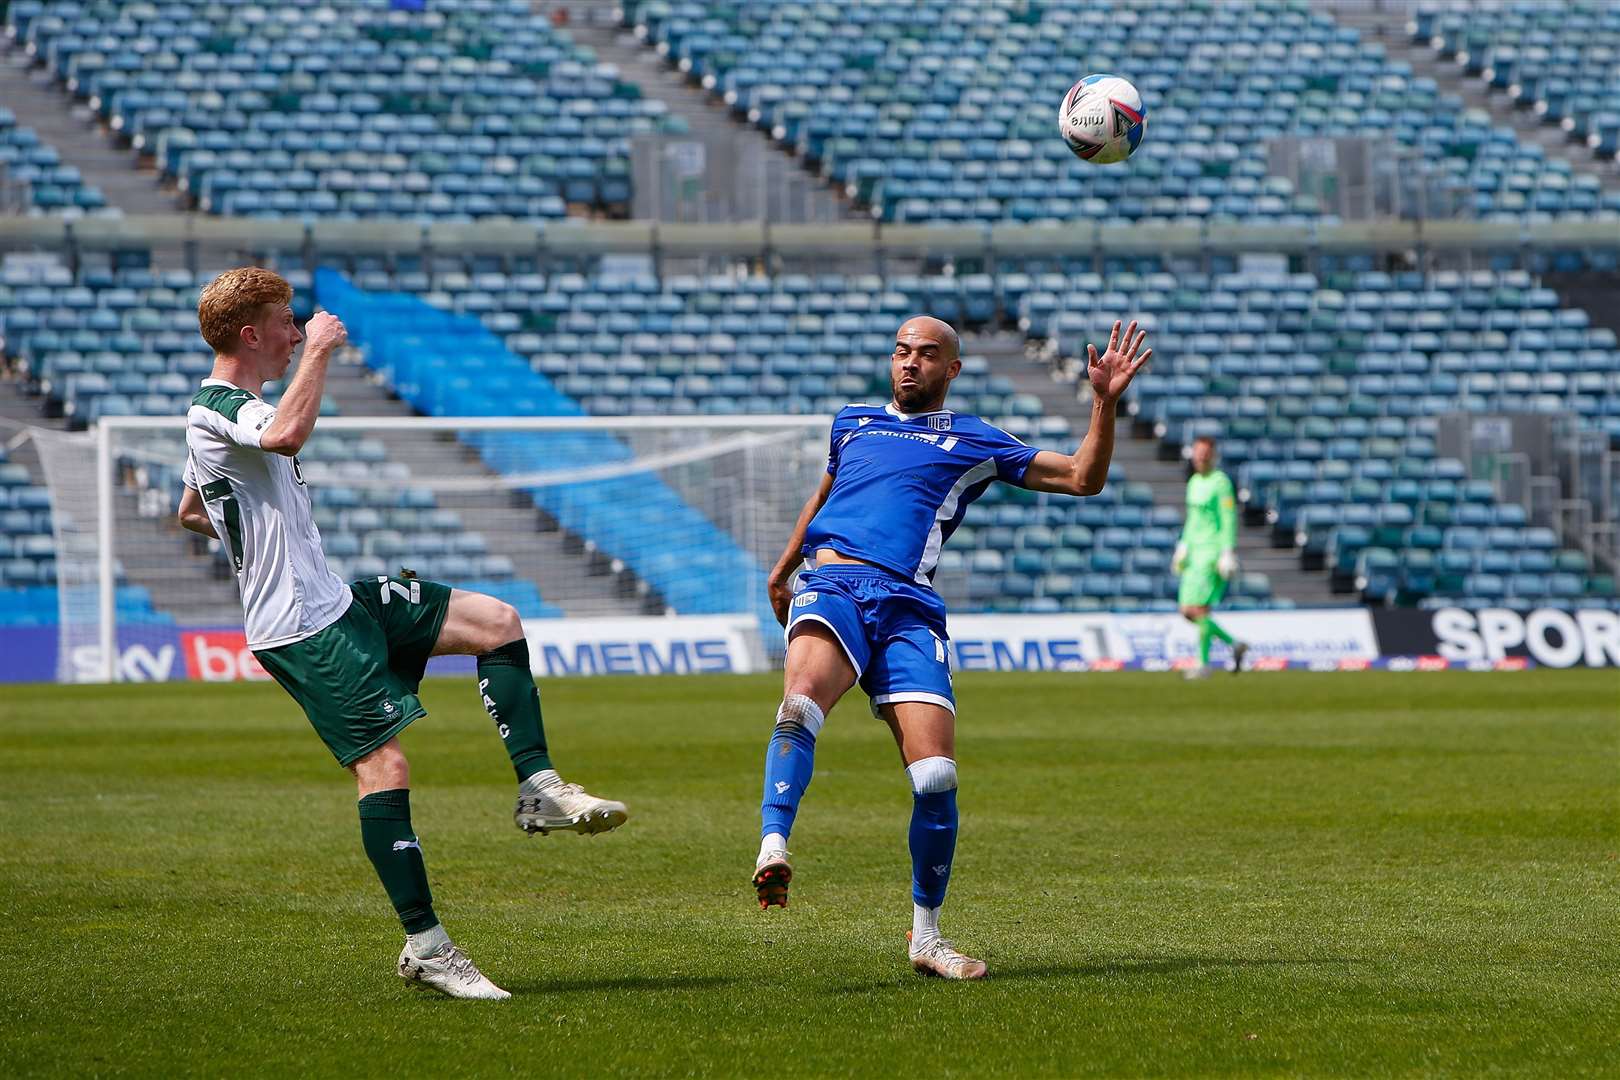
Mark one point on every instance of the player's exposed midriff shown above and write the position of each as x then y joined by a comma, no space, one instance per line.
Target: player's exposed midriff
825,556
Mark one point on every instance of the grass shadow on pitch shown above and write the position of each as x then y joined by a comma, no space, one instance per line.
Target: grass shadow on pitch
1012,971
620,983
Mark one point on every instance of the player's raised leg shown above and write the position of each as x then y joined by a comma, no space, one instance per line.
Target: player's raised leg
429,957
926,735
818,673
490,629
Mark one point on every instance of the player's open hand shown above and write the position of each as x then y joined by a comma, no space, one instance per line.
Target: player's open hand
324,332
1113,371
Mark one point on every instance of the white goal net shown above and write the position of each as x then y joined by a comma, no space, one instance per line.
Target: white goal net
564,517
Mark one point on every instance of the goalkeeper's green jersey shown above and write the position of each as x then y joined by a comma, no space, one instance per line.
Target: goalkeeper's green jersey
1211,514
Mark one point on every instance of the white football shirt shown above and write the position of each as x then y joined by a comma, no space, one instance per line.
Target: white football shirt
260,508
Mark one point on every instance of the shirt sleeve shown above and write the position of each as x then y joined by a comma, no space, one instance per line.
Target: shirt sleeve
251,420
1012,455
240,418
240,421
1226,514
188,475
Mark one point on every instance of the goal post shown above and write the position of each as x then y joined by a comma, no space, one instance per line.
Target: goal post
574,518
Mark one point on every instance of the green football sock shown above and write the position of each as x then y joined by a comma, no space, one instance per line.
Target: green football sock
507,686
1208,628
391,845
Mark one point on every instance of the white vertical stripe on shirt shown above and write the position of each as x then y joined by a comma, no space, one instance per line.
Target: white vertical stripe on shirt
984,470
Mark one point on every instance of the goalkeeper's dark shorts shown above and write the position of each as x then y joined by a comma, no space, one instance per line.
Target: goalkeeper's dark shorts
357,679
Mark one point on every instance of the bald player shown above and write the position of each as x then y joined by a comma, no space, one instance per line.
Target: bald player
899,478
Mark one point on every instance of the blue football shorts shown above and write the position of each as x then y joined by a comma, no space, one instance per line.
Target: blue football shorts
892,630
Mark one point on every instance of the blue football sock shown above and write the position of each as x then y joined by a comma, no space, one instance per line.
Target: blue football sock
933,828
789,761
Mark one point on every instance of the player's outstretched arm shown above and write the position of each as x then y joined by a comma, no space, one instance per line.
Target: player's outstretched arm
301,404
1086,470
192,514
777,583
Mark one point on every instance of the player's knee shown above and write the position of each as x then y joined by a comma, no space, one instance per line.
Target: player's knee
498,624
506,623
398,772
799,713
384,769
932,775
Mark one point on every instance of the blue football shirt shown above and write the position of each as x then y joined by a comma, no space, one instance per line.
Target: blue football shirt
902,481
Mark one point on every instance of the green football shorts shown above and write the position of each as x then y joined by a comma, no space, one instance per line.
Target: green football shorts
357,679
1201,584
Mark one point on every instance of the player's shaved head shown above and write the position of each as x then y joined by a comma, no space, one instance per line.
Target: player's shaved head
937,329
927,356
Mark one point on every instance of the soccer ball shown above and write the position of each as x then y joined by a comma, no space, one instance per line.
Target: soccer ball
1102,119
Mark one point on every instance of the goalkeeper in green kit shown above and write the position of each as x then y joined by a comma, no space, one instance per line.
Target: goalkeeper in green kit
1206,557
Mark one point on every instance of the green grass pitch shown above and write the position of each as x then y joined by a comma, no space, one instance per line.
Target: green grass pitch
1358,874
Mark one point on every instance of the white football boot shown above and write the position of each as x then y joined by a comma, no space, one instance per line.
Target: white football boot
449,971
551,805
771,876
939,957
1199,672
